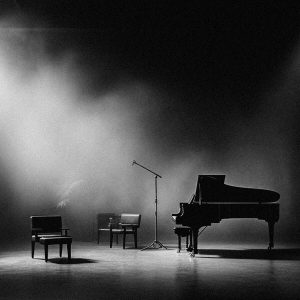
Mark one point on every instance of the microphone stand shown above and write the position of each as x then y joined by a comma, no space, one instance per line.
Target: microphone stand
155,243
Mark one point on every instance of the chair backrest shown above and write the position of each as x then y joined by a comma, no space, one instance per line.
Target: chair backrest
46,224
131,219
103,219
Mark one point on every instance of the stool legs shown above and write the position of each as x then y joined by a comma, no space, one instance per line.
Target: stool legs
179,243
184,233
60,251
271,235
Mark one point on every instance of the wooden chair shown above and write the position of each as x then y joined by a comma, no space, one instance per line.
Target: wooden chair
129,223
48,227
119,224
106,222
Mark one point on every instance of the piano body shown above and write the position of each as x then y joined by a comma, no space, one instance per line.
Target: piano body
214,201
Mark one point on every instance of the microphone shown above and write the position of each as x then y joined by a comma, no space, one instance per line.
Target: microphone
134,162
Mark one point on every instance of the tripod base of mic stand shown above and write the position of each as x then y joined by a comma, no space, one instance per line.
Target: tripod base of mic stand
155,245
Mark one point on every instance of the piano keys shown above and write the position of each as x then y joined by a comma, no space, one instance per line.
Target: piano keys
214,201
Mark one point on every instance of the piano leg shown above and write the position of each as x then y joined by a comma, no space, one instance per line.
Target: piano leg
271,235
179,243
195,240
191,241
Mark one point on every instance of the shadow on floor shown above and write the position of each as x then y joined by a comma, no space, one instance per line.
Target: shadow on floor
74,261
274,254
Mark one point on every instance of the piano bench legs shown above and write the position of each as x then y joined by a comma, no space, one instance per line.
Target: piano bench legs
182,232
271,235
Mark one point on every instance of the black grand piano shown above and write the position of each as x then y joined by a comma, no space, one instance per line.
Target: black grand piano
214,201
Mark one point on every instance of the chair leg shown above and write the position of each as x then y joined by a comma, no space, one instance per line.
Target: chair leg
135,239
110,238
69,251
179,243
124,237
60,249
32,248
187,241
117,238
46,252
98,236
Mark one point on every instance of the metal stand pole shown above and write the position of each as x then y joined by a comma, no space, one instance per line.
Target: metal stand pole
155,244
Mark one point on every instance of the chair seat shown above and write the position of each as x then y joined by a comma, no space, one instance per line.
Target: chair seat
39,236
113,229
116,230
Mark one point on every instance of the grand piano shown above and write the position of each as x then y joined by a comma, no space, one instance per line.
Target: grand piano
214,201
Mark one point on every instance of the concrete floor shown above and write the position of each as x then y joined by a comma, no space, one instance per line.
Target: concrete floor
98,272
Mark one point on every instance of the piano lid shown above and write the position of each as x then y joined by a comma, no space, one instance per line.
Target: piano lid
218,178
211,188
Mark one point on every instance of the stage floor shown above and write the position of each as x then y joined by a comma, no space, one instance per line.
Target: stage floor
98,272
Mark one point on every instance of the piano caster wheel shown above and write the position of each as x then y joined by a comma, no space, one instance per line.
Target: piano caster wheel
192,254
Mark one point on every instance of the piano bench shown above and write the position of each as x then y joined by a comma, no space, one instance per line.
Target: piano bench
60,240
183,232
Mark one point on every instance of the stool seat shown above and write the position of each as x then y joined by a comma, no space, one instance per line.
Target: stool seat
183,231
57,240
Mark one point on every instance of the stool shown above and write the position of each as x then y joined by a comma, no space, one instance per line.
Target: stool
57,240
183,232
